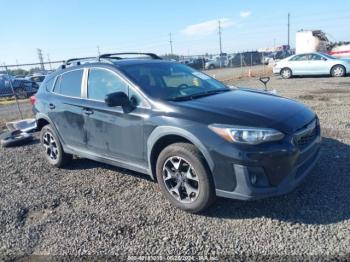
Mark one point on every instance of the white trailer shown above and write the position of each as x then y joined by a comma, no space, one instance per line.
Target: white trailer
310,41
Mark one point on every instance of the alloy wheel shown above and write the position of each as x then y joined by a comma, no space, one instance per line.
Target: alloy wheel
50,145
286,73
180,179
338,71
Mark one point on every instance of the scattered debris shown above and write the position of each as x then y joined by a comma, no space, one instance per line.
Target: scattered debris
25,125
15,138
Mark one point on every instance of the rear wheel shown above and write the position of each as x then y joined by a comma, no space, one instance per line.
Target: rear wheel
286,73
338,71
53,150
211,67
184,178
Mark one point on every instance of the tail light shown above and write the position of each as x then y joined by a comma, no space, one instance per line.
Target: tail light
32,100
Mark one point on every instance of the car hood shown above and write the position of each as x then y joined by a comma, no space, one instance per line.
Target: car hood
250,108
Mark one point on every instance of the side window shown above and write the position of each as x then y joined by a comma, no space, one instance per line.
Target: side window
300,58
49,84
57,88
102,82
69,84
315,57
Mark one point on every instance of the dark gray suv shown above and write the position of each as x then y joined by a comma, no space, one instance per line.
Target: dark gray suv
197,137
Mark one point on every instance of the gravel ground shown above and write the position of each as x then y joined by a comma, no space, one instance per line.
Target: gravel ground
94,209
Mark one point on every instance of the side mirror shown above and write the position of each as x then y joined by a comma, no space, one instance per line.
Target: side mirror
117,99
324,59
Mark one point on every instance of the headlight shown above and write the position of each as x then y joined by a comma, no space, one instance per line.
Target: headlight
246,135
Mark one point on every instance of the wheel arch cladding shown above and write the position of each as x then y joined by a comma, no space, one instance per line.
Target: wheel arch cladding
41,122
162,137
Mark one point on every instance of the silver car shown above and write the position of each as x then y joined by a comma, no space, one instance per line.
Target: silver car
312,64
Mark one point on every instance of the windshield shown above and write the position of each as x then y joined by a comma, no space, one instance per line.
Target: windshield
172,81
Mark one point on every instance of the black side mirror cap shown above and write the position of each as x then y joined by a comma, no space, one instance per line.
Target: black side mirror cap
117,99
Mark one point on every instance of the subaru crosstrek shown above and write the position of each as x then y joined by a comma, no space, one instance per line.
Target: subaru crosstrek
196,136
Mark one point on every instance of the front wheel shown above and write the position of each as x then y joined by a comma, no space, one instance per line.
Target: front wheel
184,178
286,73
53,150
338,71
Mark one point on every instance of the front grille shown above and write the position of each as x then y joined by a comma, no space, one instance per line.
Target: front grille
306,135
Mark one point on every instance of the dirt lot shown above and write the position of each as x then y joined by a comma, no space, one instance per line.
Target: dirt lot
94,209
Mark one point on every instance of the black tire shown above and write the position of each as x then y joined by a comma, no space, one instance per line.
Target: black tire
190,154
52,146
286,73
338,71
15,138
211,67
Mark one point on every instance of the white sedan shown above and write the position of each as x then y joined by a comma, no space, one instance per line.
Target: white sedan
312,64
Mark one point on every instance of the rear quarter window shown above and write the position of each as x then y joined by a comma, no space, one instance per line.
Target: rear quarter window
69,83
49,84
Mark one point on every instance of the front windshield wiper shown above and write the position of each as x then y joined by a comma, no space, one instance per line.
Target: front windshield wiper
194,96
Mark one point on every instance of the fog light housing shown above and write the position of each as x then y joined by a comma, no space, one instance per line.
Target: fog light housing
258,177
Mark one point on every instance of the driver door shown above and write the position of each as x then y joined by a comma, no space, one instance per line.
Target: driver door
111,132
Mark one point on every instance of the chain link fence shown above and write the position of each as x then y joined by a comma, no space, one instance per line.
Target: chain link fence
22,80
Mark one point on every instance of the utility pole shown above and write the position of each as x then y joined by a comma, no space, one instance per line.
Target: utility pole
220,37
98,51
48,59
171,44
41,59
288,29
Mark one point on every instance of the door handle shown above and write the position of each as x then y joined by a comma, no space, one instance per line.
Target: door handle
88,111
52,106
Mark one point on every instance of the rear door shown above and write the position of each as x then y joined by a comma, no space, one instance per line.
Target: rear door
299,64
112,132
65,108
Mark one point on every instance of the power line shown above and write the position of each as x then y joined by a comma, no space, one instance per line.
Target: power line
48,59
220,37
288,28
41,59
171,44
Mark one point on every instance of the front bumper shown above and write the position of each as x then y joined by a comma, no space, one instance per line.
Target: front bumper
245,191
264,173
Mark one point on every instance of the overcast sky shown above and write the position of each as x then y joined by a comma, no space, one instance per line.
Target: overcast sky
73,28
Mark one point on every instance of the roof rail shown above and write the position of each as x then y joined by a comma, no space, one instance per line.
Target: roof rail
77,60
115,55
